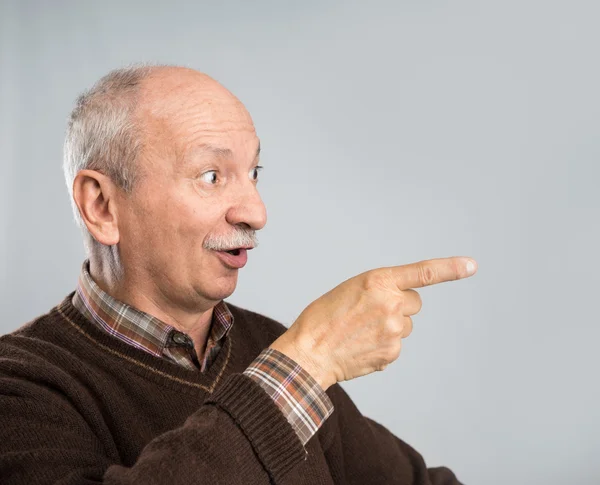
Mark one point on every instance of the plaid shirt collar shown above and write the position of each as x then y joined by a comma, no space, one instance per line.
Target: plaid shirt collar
138,328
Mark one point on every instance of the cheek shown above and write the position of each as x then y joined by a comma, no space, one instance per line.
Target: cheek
149,220
176,219
189,221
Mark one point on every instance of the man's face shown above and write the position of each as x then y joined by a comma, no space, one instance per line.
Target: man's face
197,190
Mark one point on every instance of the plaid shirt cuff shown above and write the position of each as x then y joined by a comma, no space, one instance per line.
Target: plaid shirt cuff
301,399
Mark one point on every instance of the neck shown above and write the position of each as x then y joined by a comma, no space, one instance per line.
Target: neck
132,291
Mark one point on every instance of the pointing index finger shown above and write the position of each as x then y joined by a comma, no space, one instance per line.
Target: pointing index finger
433,271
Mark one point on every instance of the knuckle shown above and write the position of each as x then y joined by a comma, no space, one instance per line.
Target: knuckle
372,280
394,353
427,275
397,352
381,279
419,301
392,306
408,327
393,329
414,295
388,356
412,302
415,304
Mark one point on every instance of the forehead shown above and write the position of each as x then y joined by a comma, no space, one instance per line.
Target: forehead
193,114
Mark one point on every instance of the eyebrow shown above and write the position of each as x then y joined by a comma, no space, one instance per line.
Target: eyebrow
220,152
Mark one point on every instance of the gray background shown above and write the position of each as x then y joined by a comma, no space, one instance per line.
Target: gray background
391,132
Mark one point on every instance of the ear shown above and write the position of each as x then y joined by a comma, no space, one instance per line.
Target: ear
96,197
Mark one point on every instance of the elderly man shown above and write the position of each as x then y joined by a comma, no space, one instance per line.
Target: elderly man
144,374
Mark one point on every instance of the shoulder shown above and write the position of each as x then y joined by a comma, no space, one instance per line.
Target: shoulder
27,338
34,348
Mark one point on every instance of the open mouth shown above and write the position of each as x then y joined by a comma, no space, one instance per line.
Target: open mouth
235,258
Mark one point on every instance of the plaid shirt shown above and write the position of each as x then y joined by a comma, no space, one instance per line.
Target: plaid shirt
302,401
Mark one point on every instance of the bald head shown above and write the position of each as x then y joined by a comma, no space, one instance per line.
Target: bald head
167,90
165,83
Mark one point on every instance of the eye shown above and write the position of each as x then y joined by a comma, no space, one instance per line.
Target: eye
210,179
255,170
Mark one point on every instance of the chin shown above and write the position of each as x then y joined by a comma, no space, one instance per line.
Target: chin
220,288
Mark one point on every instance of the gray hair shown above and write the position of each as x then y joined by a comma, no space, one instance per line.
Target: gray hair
102,134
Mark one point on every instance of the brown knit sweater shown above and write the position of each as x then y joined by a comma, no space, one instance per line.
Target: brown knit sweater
78,406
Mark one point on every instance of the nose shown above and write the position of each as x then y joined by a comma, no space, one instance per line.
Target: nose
248,209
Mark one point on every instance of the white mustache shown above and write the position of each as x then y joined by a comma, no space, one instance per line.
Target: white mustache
239,239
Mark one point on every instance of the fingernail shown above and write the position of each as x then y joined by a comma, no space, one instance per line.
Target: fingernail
471,267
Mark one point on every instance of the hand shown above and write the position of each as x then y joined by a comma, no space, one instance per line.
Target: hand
357,327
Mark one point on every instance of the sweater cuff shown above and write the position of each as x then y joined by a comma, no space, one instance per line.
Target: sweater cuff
301,399
270,434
